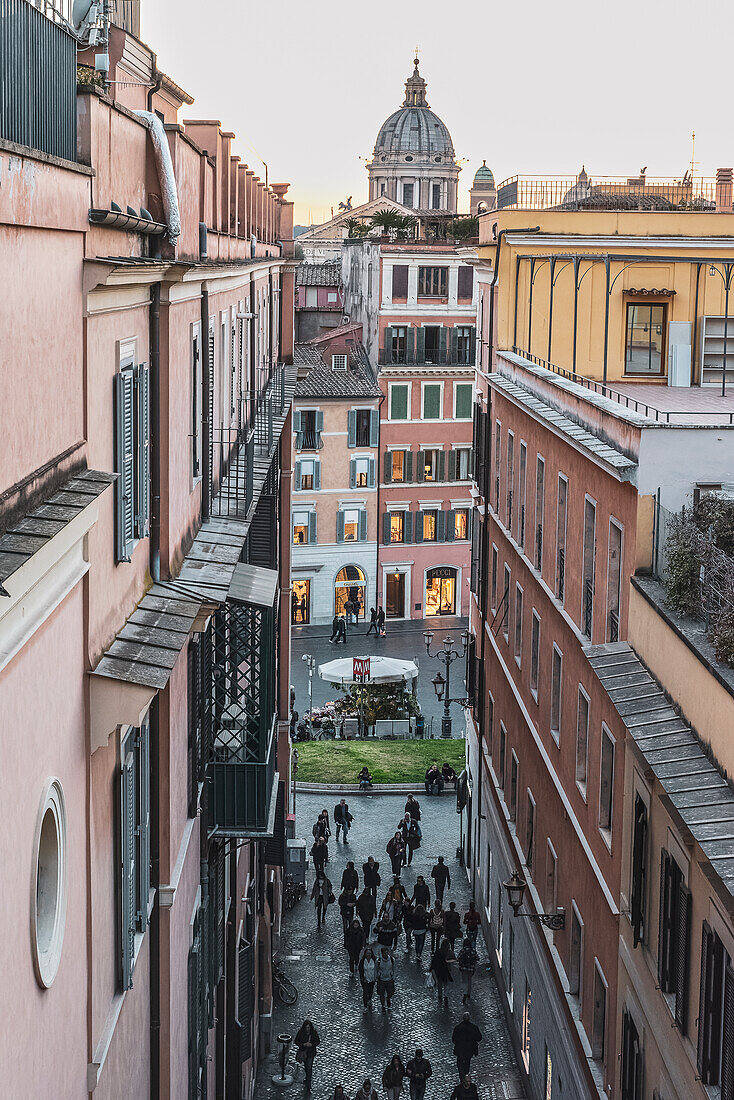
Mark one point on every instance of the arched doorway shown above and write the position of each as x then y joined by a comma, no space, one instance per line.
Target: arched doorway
441,591
349,585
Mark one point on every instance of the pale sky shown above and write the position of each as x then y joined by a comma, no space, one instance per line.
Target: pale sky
535,88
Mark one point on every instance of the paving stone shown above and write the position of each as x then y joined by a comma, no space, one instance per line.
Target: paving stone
355,1045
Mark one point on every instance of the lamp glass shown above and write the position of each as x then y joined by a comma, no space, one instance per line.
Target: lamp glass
439,683
515,888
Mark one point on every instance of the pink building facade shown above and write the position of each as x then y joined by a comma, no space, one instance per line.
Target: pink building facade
143,479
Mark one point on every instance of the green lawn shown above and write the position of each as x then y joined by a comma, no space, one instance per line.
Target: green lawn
389,761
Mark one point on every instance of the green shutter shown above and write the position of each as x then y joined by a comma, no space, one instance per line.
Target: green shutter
127,846
420,345
319,422
418,527
317,474
441,466
442,342
124,395
431,401
407,527
143,825
463,400
469,522
311,527
386,529
452,465
421,467
374,427
362,533
450,525
142,386
454,356
388,467
297,429
408,466
352,473
399,402
352,428
388,344
472,345
340,526
441,532
410,344
371,474
298,475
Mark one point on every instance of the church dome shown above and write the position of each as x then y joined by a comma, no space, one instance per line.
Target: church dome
414,130
484,176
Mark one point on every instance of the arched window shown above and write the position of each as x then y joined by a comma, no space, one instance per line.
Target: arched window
441,591
349,587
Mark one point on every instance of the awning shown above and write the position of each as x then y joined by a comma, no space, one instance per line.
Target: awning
368,670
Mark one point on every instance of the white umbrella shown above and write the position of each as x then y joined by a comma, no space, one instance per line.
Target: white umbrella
368,670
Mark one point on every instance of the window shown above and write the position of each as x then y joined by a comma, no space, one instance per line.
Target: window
551,879
582,739
135,842
436,196
362,473
506,604
510,477
535,654
463,400
429,522
431,337
513,786
530,833
363,427
526,1024
631,1059
606,784
304,523
308,425
430,465
331,298
132,457
339,362
561,521
493,601
548,1075
614,581
575,955
48,914
638,888
408,194
399,400
197,400
432,401
464,343
646,324
587,617
397,526
400,281
599,1021
715,1054
521,495
490,722
518,624
539,510
308,474
466,282
501,756
349,523
312,297
433,282
500,923
399,346
556,682
674,934
497,464
461,523
396,466
462,464
510,961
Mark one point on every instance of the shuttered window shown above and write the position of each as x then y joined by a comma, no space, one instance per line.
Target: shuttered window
674,935
639,871
631,1059
134,844
466,281
132,458
463,400
399,401
715,1053
400,281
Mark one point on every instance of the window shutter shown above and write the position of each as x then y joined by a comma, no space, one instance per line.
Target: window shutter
340,526
474,559
441,466
124,394
297,429
472,345
386,529
410,344
441,527
233,366
452,465
408,466
317,474
352,474
371,474
193,1013
408,527
469,523
352,428
298,475
662,932
443,343
639,860
127,899
142,385
683,934
319,421
420,345
400,281
362,525
702,1051
449,527
388,467
312,527
143,827
418,527
466,281
388,344
421,471
454,344
374,427
727,1050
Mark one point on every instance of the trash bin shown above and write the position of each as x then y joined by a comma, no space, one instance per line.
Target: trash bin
420,725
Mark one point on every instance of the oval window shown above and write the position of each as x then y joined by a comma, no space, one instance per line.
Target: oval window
48,884
437,160
408,158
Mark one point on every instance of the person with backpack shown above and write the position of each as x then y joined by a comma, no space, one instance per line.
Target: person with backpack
441,877
467,960
436,924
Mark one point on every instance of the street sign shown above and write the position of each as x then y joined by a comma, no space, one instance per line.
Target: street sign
360,669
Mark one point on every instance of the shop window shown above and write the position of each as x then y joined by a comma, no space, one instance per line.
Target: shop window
349,588
441,591
461,523
301,603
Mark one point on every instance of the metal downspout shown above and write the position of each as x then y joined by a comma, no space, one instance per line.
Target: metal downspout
206,412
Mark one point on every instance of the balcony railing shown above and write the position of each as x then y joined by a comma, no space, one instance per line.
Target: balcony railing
539,547
606,193
561,574
613,628
241,792
388,358
588,607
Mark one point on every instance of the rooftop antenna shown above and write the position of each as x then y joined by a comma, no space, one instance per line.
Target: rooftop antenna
693,153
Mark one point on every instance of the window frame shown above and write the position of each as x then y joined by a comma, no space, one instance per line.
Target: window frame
534,655
396,513
608,631
539,507
588,568
392,388
582,784
518,624
561,542
431,385
438,279
650,305
461,386
606,830
556,707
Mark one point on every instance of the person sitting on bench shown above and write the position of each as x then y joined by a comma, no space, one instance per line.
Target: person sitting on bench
434,780
365,779
448,773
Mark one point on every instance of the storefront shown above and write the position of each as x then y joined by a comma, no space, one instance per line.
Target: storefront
349,586
441,584
301,603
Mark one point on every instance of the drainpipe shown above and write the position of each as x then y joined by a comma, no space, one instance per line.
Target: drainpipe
155,919
206,417
155,430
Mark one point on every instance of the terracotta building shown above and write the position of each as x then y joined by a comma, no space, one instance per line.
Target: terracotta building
144,575
587,429
319,303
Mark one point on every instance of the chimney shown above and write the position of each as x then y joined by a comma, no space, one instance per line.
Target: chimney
723,190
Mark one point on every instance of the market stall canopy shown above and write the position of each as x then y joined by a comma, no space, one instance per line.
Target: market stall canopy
368,670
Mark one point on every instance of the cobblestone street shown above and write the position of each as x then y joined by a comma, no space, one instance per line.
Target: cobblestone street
355,1045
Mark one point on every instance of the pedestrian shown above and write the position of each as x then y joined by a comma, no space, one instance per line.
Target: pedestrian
434,780
420,923
366,1091
373,622
392,1078
421,893
322,828
472,920
408,923
396,849
465,1090
441,970
448,774
350,878
466,1037
347,907
342,635
418,1070
452,924
339,1093
398,888
368,976
366,910
335,628
381,622
342,819
319,854
436,924
441,877
385,929
322,896
349,610
413,839
365,779
371,876
392,908
467,960
354,943
385,978
413,807
306,1040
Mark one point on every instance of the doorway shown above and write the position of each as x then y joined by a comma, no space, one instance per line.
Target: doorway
395,595
441,591
301,603
349,588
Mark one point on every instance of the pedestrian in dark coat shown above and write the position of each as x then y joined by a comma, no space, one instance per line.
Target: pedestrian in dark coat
465,1090
421,893
371,876
367,1091
441,970
413,839
381,622
322,896
354,943
436,924
442,878
385,931
339,1093
373,622
452,923
392,1078
342,635
420,923
385,977
418,1070
408,923
367,976
306,1040
347,907
350,878
319,854
396,850
366,909
342,819
412,807
467,960
335,628
466,1037
472,921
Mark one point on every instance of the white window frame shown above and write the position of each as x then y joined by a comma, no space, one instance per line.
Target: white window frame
356,511
365,459
339,362
463,419
390,387
556,732
432,419
300,512
606,832
582,786
535,619
613,522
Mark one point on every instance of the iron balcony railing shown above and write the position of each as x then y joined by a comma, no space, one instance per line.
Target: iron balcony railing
522,526
613,627
462,358
588,607
607,193
561,574
37,79
310,440
509,510
539,547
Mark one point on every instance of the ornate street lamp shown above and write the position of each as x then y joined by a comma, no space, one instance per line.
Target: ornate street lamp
515,887
440,683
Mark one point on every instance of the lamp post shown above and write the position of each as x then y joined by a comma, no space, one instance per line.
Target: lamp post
311,665
515,887
441,684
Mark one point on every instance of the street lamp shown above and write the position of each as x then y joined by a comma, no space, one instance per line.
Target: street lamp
311,665
515,887
441,685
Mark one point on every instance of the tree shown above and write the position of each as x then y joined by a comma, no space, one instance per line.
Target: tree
402,225
356,228
461,229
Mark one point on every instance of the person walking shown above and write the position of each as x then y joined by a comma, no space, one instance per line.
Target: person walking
436,924
385,931
392,1078
396,850
350,878
322,896
367,976
319,854
413,839
467,960
408,923
472,920
381,622
413,807
441,970
342,635
465,1090
339,1093
366,910
366,1091
419,921
441,877
452,924
307,1040
466,1037
342,819
335,628
421,893
321,827
371,876
347,908
385,978
354,942
373,622
418,1070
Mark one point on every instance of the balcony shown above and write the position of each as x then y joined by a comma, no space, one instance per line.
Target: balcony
584,192
242,793
438,358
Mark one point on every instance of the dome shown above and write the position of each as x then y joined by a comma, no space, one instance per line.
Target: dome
415,131
484,176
